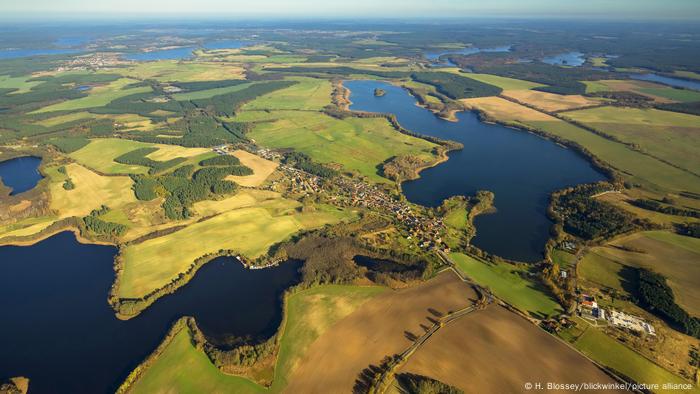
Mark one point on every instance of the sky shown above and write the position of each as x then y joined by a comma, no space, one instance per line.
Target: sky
608,9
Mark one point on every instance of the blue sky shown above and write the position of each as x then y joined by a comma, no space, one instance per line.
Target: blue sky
616,9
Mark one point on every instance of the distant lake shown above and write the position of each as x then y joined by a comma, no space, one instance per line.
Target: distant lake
164,54
435,56
670,81
522,170
16,53
573,59
58,330
21,173
70,41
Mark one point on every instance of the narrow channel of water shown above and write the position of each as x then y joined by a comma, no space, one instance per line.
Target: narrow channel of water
58,330
670,81
20,174
522,170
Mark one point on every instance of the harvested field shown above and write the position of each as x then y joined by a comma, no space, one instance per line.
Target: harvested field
377,329
550,101
502,109
262,168
496,351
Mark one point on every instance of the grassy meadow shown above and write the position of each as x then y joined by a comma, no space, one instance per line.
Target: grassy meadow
506,281
674,256
605,350
671,136
250,231
98,96
357,144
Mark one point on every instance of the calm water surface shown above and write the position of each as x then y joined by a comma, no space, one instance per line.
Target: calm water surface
21,173
58,330
164,54
522,170
573,59
435,56
675,82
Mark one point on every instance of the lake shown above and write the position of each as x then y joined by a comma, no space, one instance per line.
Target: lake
435,56
670,81
521,168
16,53
20,174
59,331
163,54
573,59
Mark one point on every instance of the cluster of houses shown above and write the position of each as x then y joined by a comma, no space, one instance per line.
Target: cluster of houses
94,61
589,309
427,231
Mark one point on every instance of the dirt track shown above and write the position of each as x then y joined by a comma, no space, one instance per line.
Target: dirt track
379,328
496,351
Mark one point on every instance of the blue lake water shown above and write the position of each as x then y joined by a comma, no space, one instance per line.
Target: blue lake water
670,81
59,331
165,54
435,56
573,59
20,174
17,53
522,170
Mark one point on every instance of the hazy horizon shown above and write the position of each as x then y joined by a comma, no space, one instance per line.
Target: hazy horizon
45,10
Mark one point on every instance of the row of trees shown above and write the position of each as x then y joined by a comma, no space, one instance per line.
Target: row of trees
303,162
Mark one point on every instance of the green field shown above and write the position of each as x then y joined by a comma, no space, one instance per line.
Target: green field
100,153
98,96
308,94
506,281
22,84
615,355
208,93
184,369
682,95
670,136
676,257
504,82
250,231
638,167
181,71
357,144
563,258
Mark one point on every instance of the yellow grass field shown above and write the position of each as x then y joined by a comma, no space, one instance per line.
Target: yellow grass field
502,109
178,71
90,192
549,101
463,354
262,168
249,230
100,153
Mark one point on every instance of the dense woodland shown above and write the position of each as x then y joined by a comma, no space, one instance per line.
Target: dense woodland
656,296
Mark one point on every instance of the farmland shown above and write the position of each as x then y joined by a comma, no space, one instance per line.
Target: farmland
670,136
310,313
603,349
357,144
375,330
151,264
99,96
461,354
507,282
674,256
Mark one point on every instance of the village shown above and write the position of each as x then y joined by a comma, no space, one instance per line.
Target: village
426,231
